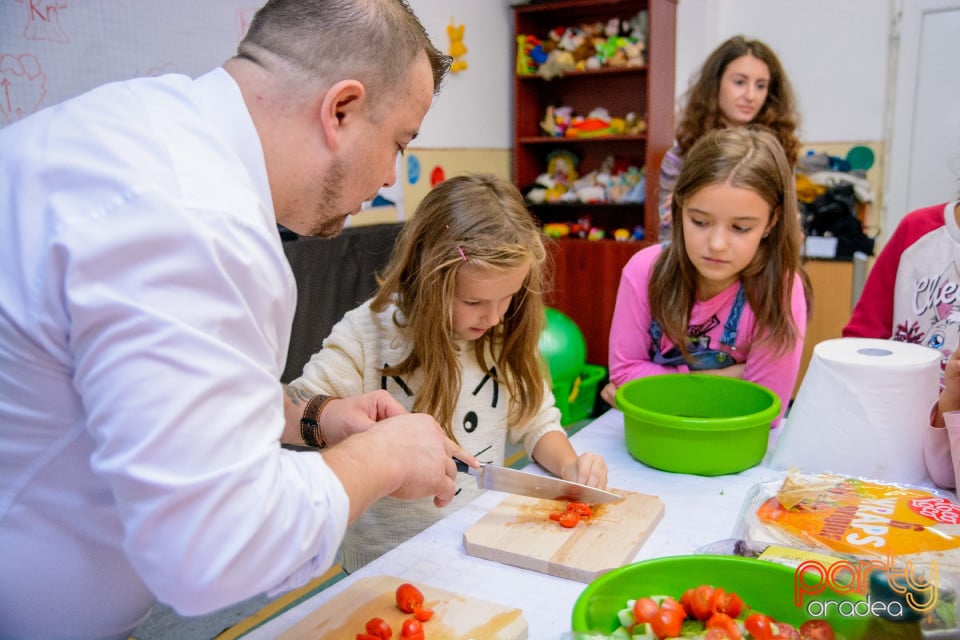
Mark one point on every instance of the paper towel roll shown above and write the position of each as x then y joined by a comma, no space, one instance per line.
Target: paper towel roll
861,410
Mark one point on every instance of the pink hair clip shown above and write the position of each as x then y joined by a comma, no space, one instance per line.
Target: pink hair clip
462,254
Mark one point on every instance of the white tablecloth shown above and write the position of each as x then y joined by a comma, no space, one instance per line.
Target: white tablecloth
698,511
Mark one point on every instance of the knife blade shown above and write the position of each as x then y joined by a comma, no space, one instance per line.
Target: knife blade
497,478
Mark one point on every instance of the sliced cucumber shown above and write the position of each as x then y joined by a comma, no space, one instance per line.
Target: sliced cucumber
626,617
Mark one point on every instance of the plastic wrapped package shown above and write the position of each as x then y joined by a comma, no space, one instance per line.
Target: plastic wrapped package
846,529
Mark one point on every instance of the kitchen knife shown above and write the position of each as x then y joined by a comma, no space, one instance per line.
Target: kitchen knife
496,478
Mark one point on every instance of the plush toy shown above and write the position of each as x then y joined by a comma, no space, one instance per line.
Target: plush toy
558,62
457,48
556,229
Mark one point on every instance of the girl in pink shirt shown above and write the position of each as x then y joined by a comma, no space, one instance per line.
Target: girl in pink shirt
728,294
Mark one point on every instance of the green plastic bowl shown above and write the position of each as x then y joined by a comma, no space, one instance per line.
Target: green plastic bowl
764,586
697,423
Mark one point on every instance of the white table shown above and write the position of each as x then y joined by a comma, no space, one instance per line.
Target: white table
699,510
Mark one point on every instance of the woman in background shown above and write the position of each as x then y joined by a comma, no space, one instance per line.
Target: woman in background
742,82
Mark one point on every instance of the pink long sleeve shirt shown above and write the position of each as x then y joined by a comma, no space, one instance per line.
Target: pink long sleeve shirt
633,351
941,450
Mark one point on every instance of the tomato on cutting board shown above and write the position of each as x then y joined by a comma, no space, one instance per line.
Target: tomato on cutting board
409,598
378,628
412,629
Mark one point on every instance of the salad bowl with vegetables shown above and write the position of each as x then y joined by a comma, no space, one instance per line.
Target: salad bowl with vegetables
710,597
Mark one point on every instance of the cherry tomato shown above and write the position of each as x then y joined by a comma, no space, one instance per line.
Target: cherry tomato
667,622
422,614
581,509
412,629
672,605
378,628
786,632
685,602
759,626
725,622
816,630
701,602
728,603
569,519
409,598
645,609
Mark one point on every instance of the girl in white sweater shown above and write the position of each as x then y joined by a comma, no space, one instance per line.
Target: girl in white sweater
453,331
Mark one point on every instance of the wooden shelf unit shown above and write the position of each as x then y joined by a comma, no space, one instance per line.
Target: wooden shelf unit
588,272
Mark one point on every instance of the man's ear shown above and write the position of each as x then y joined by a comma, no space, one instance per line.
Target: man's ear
342,106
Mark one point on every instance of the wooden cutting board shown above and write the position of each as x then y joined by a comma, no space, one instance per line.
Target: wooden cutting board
455,617
519,532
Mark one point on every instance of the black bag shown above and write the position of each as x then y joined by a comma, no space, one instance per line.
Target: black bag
834,213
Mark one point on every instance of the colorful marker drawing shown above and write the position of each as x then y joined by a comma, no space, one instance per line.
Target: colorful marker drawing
23,84
43,20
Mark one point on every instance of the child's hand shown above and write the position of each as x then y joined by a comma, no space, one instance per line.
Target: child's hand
609,394
950,396
733,371
589,469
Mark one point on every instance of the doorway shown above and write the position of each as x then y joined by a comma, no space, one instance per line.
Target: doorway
924,129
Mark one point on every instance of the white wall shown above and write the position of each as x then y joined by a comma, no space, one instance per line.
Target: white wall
835,54
474,109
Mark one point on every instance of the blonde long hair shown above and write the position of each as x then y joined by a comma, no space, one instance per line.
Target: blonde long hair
480,220
749,158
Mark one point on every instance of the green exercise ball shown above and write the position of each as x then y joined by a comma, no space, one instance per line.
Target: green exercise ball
563,346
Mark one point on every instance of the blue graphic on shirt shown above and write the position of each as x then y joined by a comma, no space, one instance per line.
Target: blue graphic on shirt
701,356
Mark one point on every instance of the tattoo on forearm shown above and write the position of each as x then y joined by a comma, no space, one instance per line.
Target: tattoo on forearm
297,396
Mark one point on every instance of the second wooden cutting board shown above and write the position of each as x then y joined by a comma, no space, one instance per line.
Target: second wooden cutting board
519,532
455,617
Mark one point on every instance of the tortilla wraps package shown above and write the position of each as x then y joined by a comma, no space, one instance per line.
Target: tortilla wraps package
855,517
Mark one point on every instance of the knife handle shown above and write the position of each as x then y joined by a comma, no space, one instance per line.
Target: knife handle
462,467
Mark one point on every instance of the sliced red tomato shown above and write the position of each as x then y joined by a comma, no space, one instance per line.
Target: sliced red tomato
728,603
378,628
367,636
569,519
422,614
685,602
760,626
581,509
816,630
701,602
645,609
409,598
412,629
725,622
667,622
786,631
672,605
